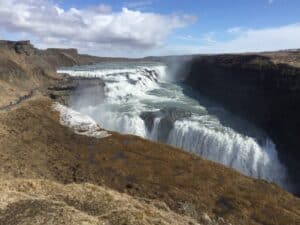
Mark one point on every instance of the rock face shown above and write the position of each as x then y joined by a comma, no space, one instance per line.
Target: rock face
20,47
67,92
167,116
262,90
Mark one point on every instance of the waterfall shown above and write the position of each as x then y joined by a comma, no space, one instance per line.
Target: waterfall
153,134
133,89
229,148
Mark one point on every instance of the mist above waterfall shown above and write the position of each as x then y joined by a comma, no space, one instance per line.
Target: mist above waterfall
178,67
141,98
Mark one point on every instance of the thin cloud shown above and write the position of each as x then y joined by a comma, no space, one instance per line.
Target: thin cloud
187,38
243,40
138,4
267,39
207,38
235,30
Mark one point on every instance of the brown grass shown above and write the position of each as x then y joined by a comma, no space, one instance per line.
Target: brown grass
47,202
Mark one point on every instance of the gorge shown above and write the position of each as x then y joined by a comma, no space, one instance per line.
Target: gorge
162,108
58,165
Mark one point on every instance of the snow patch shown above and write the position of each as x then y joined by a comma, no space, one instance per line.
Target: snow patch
81,124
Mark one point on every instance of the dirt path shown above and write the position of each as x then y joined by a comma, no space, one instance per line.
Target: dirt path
19,100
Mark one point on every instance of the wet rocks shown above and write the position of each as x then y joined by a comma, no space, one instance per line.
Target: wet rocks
68,91
167,116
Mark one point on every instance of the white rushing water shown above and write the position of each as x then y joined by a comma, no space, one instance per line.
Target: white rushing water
136,89
81,124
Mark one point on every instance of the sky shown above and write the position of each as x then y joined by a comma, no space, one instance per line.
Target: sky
138,28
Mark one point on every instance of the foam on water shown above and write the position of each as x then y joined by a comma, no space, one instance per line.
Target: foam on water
131,89
80,123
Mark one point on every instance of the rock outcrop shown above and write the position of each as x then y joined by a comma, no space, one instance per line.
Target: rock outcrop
168,117
20,47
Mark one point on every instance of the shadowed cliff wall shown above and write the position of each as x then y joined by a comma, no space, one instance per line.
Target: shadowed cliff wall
261,91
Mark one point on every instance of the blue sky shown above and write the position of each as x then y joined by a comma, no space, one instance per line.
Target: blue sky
154,27
213,13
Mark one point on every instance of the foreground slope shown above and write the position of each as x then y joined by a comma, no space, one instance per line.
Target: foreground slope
47,202
34,145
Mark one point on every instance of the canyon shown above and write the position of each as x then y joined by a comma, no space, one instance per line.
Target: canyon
124,179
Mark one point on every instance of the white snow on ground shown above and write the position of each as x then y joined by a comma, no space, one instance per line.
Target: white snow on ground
81,124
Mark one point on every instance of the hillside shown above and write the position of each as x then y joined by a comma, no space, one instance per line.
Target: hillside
48,202
25,70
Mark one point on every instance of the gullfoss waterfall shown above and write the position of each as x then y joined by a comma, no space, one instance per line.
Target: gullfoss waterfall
139,99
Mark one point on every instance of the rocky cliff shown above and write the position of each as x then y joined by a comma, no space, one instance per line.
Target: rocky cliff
263,88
